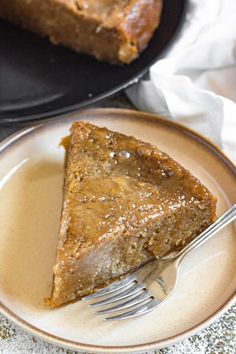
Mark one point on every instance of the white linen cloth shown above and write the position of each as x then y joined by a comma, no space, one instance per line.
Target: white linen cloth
195,83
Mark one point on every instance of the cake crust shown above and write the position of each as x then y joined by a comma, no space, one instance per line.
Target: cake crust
111,30
125,203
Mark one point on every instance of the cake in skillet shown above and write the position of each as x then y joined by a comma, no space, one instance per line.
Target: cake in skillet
111,30
125,203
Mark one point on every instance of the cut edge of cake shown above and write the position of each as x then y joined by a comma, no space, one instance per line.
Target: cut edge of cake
117,38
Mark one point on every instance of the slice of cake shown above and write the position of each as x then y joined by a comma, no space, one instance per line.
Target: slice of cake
111,30
125,202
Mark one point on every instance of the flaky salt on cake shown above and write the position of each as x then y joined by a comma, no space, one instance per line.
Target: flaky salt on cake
125,203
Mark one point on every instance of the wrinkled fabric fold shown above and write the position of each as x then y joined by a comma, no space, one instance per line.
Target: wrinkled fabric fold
195,84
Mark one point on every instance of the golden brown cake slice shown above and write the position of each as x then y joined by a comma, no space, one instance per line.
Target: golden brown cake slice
125,202
112,30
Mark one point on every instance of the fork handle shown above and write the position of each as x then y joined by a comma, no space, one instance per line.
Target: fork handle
219,224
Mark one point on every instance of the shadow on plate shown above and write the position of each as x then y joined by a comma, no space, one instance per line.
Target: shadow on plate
33,206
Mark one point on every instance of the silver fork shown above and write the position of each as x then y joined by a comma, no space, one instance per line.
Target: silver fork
151,285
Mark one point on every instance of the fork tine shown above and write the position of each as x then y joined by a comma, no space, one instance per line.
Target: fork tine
132,290
136,300
111,288
141,310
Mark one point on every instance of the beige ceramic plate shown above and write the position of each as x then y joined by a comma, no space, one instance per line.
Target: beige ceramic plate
31,176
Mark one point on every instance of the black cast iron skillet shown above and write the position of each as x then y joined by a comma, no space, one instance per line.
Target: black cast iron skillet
39,80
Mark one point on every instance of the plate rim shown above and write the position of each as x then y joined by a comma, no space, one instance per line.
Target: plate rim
37,117
93,113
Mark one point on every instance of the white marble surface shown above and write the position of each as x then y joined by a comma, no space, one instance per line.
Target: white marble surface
219,338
